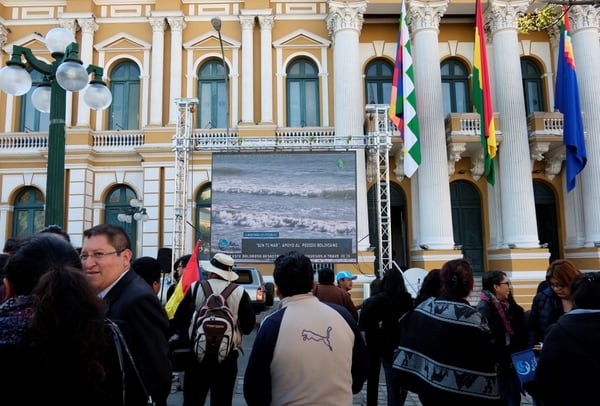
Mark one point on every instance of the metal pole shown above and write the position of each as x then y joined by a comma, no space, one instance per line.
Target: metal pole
55,180
216,23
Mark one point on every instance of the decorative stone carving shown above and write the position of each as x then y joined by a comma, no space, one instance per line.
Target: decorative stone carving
247,22
158,24
3,35
504,14
176,23
538,149
477,165
584,17
70,24
88,25
345,15
399,161
554,162
455,151
426,14
266,22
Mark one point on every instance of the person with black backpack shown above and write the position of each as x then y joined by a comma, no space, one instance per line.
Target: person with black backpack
214,314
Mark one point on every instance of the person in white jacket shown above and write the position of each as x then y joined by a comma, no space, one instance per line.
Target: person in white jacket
308,352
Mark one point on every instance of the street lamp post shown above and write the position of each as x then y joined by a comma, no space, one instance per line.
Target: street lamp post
136,212
66,73
216,23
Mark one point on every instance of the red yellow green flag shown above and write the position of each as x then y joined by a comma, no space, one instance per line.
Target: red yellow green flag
191,274
482,98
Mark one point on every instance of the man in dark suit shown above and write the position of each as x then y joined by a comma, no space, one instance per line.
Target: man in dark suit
131,303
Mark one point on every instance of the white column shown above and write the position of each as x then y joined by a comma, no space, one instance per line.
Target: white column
266,69
587,60
177,25
158,25
344,22
434,208
247,23
88,27
519,227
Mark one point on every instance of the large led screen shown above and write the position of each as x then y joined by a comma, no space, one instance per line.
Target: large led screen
267,204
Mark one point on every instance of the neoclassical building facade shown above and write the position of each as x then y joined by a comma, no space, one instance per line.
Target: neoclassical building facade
307,70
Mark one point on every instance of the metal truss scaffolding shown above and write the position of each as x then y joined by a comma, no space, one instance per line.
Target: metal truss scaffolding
182,145
377,140
381,142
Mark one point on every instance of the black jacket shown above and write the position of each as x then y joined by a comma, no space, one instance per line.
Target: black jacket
133,305
516,342
569,364
545,311
379,317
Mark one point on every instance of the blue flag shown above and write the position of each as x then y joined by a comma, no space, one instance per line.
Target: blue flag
567,102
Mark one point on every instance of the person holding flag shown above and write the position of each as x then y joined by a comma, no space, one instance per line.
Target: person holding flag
567,102
190,274
209,375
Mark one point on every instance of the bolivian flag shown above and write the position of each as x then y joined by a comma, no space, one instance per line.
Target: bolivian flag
191,274
482,99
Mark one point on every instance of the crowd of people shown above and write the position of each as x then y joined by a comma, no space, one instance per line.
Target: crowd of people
88,327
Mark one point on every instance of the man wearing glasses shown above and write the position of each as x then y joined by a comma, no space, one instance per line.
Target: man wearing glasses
130,302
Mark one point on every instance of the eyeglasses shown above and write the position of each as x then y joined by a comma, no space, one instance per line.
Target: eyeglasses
97,256
504,283
557,285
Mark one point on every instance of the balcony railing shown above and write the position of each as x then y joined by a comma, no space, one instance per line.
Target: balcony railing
114,140
542,123
23,141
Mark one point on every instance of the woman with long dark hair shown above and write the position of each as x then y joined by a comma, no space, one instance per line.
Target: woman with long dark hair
505,318
379,320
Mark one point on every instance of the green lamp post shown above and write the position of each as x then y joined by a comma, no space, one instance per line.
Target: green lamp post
66,73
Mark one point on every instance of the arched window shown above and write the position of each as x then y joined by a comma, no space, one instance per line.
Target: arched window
117,201
28,215
212,98
378,81
532,85
302,85
455,87
203,205
124,111
33,120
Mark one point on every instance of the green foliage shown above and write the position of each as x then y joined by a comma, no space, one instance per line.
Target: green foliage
540,19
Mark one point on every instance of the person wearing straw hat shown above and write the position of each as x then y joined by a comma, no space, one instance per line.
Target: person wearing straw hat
218,378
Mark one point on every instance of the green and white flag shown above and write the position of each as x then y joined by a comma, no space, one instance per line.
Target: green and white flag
403,102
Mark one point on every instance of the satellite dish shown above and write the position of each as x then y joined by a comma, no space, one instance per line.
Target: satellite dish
413,279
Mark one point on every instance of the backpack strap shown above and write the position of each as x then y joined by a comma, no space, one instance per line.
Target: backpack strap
195,294
228,290
206,288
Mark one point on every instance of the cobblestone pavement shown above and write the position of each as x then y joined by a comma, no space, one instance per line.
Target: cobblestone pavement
360,399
